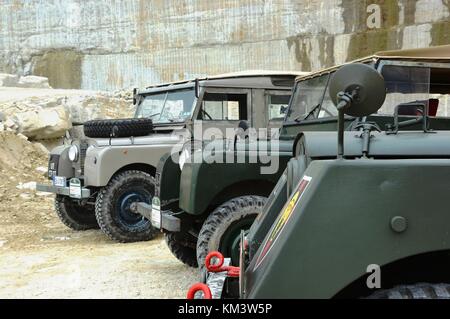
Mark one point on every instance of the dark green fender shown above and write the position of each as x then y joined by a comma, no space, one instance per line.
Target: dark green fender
168,180
342,224
203,183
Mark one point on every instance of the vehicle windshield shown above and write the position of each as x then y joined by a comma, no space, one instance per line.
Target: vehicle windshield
167,107
408,86
307,99
412,85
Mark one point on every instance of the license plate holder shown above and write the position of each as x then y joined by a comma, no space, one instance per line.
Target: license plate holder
216,281
59,181
156,213
75,188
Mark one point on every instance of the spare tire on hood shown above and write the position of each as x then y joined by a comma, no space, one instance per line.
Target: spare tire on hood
118,127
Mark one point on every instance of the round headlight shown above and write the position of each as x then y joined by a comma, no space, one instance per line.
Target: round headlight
73,153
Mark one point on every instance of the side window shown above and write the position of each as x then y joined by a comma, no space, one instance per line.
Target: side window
224,107
277,106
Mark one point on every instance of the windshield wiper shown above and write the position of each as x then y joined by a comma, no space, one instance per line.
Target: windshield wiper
301,117
150,116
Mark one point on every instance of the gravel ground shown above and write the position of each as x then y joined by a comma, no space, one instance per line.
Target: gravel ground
41,258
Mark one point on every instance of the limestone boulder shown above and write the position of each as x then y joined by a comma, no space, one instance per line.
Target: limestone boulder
8,80
45,123
34,82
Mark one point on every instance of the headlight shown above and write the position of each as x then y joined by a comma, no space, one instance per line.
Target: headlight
73,153
184,156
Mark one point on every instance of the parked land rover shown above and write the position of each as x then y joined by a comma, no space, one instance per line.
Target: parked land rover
97,178
362,213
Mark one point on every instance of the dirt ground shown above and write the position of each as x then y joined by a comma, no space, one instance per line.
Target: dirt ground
41,258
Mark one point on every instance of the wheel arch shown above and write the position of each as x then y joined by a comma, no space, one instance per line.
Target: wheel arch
241,188
430,267
144,167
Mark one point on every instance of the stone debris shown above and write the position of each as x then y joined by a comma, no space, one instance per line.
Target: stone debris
44,194
42,170
25,196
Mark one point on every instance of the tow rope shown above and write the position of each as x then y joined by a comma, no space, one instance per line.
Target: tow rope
218,267
215,268
199,287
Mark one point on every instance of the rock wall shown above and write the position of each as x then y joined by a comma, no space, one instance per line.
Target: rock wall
110,44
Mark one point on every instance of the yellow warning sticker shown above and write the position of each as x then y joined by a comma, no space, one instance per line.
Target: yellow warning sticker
283,219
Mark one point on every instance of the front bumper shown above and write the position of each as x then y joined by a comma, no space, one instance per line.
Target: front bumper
61,190
163,220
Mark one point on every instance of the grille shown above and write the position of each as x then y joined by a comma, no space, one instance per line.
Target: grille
83,149
157,180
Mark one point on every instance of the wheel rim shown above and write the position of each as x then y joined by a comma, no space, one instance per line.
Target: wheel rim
126,216
230,241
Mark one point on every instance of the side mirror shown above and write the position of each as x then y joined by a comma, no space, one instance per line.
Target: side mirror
358,89
243,125
242,131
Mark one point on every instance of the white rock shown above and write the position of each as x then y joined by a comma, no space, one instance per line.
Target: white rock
23,137
3,242
25,196
62,238
9,80
43,194
32,81
10,124
44,123
27,186
41,169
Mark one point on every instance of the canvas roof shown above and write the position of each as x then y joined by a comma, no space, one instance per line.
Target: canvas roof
438,53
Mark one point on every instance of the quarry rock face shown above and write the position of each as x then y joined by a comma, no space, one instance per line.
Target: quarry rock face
106,45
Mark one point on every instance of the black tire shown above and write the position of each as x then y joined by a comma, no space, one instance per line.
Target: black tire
73,215
118,127
182,248
112,207
416,291
237,211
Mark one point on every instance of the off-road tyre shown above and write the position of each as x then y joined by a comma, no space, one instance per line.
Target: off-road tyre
184,251
118,127
73,215
416,291
220,220
108,213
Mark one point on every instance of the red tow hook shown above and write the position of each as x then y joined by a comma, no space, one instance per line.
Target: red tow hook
218,267
199,287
